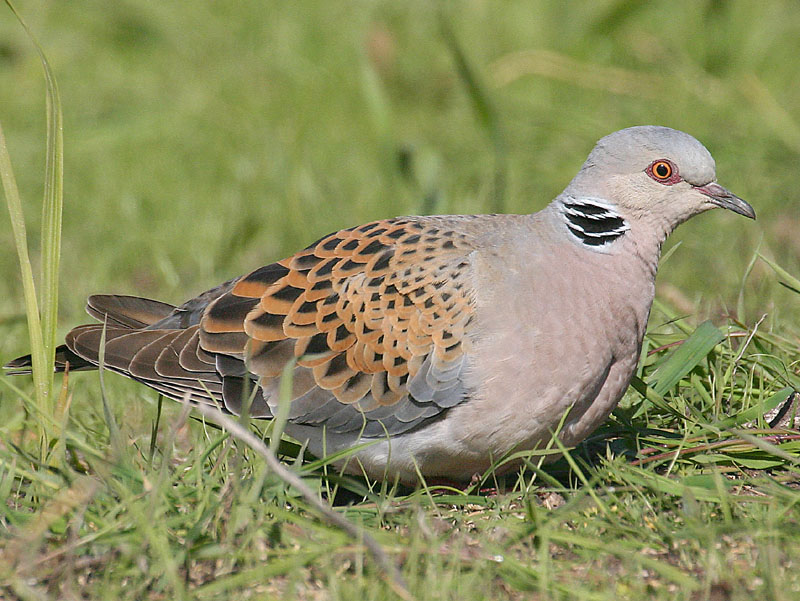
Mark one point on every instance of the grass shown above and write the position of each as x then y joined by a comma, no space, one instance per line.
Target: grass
41,315
200,144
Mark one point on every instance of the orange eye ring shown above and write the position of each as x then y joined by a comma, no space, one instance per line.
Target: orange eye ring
661,170
664,172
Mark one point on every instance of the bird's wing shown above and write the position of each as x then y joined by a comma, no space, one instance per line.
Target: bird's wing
376,318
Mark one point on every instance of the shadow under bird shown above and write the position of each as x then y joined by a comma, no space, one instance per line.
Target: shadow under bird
446,341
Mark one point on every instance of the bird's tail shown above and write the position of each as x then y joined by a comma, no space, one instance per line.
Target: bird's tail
64,357
117,311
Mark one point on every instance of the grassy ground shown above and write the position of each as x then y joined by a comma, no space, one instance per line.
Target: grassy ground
202,141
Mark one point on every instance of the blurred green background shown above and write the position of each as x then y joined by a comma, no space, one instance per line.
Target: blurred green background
205,139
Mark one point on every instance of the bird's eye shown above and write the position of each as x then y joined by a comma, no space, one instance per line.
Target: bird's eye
663,171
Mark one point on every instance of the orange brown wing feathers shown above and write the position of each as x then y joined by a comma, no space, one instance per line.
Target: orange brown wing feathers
371,314
376,317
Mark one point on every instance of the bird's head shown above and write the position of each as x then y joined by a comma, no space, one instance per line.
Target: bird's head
654,175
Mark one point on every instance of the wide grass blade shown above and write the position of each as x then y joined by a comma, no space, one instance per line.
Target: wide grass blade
687,356
757,411
38,355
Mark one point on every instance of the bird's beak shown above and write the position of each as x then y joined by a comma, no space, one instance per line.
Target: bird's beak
727,200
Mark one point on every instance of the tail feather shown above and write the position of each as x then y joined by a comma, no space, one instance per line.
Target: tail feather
146,340
118,311
22,366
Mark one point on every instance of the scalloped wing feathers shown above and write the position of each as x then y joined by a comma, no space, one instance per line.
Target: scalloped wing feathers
376,319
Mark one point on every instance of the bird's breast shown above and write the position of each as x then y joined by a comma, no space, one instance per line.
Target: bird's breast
557,330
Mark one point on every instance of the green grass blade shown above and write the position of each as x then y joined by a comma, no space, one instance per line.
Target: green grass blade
687,356
757,411
38,355
42,318
786,278
284,404
52,206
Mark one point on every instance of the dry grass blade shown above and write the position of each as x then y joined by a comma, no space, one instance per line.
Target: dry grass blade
544,63
17,560
290,478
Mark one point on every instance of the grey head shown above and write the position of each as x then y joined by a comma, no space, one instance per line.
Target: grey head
644,177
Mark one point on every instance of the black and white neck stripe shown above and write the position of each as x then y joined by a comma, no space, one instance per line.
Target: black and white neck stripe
594,222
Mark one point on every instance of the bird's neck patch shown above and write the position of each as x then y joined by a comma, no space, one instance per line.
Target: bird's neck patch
593,221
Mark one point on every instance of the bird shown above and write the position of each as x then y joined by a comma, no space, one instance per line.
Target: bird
431,346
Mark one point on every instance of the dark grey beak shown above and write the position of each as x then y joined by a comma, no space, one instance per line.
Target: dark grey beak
727,200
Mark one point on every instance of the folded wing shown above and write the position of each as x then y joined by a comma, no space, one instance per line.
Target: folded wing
372,321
